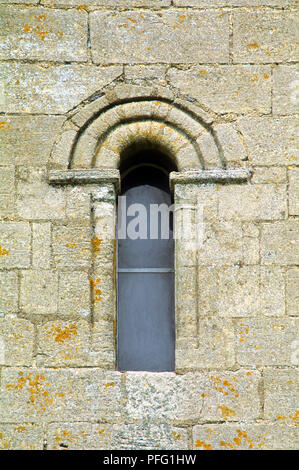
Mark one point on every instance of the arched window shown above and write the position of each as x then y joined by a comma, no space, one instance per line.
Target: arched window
145,281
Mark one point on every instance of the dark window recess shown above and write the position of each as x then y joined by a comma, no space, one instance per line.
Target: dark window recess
146,323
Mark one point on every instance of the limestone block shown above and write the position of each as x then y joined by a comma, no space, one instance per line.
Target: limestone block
31,88
7,190
166,37
16,341
41,245
281,395
39,34
279,243
9,292
136,436
77,203
294,191
109,3
292,291
63,343
186,302
103,338
231,143
39,291
215,346
103,293
226,88
264,36
62,149
148,73
15,241
229,3
272,291
285,89
273,174
265,341
271,141
43,395
199,396
74,294
72,245
27,140
36,199
244,437
252,202
25,436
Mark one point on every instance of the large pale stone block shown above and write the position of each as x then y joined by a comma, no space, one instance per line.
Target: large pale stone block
25,436
232,145
279,243
272,291
167,37
281,395
63,343
16,341
41,245
8,292
39,291
265,341
250,202
292,291
43,395
285,89
198,396
268,175
74,294
39,34
244,437
264,36
271,141
72,245
36,199
31,88
7,190
103,344
294,191
27,140
226,88
15,244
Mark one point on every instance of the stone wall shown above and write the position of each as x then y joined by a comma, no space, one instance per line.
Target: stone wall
215,83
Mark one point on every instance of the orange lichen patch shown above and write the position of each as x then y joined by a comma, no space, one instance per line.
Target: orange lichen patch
20,428
226,412
110,384
224,386
177,436
95,245
71,245
96,292
35,386
293,418
253,45
182,18
36,30
82,7
266,76
203,73
100,431
243,335
131,19
203,444
243,439
4,126
62,334
254,78
3,251
281,417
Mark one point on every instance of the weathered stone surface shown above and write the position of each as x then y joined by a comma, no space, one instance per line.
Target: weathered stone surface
30,88
228,3
244,437
143,435
226,88
279,243
7,196
264,36
272,291
63,343
16,341
285,89
265,341
272,174
109,3
39,290
281,395
72,245
41,245
250,202
271,141
292,291
141,73
39,34
42,395
294,191
231,142
36,199
74,294
103,344
27,140
9,292
200,396
143,36
15,241
25,436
